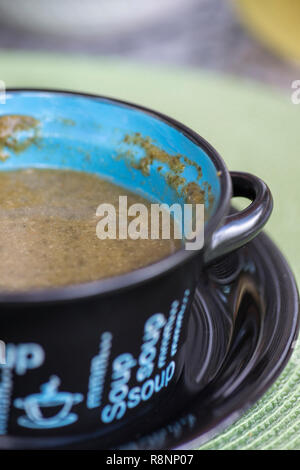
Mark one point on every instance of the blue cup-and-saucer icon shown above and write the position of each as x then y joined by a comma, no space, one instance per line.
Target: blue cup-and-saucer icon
35,404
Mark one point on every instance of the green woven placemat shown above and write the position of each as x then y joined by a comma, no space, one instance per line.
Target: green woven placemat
255,129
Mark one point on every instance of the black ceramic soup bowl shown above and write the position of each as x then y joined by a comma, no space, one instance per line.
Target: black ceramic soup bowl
91,358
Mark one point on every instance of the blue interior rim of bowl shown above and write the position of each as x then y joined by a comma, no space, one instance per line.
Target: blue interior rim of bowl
88,133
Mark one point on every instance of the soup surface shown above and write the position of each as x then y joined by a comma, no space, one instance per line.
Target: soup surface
48,231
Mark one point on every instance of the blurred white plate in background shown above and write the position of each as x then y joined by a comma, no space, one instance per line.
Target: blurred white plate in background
85,17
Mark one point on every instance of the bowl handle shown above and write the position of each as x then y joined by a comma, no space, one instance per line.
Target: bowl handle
239,227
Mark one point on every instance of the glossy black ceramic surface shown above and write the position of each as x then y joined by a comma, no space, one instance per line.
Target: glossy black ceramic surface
97,358
255,291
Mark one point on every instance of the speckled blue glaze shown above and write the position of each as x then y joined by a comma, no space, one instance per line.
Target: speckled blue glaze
87,134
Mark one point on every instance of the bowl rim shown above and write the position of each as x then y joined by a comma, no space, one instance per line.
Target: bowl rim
147,273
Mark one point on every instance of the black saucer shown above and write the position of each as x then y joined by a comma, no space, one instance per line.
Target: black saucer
258,290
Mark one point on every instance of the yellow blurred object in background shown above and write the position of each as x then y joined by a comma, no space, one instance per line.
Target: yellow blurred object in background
275,22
